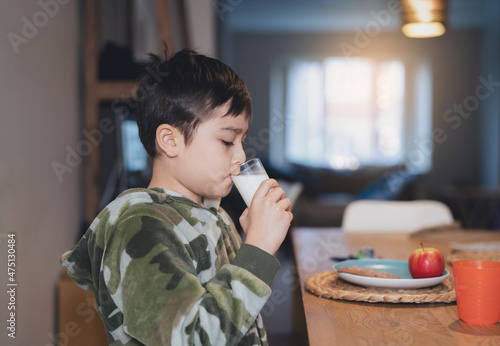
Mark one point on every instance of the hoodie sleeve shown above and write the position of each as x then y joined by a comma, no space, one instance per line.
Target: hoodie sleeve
78,264
151,276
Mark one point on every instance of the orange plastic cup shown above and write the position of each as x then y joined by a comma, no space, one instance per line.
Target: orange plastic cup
477,286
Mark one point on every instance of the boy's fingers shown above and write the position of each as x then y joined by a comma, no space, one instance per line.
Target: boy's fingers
264,188
286,204
244,214
243,220
277,194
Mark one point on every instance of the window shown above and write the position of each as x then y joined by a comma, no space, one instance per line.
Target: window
349,113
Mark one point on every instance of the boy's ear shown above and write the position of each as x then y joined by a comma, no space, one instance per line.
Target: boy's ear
169,140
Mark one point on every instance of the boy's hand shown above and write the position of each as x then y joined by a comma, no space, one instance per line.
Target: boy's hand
268,218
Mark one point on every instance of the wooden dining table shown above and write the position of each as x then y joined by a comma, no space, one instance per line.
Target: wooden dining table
343,322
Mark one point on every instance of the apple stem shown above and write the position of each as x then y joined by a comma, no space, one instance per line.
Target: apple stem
422,245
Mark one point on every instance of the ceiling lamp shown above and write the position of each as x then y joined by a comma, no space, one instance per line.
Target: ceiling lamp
423,18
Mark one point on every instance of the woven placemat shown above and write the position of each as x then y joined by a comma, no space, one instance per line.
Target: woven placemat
328,285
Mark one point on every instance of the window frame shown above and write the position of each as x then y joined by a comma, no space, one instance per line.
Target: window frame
417,118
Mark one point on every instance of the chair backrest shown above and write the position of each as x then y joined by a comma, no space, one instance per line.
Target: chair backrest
389,216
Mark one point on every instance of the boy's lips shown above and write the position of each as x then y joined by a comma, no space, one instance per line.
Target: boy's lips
234,171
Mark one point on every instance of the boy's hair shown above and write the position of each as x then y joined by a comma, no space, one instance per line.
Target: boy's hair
182,91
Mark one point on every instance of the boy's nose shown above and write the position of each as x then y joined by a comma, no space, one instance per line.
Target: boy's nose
239,156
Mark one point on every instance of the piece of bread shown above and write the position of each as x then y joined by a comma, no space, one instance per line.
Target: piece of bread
356,270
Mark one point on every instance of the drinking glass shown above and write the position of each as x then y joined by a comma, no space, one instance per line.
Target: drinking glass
248,178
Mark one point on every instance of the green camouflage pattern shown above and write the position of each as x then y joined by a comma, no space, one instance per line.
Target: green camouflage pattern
160,267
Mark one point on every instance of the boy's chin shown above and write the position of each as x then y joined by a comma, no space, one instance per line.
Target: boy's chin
220,193
226,192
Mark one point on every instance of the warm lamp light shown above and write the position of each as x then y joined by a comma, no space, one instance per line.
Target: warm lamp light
424,18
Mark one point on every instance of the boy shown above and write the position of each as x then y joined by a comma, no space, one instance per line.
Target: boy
166,263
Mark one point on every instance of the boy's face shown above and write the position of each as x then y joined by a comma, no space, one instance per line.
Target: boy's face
216,149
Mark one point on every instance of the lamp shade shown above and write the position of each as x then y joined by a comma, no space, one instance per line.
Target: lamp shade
423,18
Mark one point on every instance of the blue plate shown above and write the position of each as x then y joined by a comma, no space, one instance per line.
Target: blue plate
399,268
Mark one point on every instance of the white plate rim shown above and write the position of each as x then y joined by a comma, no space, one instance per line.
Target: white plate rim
390,283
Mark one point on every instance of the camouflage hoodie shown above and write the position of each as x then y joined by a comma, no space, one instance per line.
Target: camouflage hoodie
167,271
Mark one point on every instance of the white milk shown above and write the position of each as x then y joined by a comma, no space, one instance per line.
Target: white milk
248,184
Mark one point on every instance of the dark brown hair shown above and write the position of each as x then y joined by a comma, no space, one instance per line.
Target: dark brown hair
183,91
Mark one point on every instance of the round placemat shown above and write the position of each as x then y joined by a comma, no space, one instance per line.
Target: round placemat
328,285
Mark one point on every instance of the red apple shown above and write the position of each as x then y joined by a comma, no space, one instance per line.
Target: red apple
426,263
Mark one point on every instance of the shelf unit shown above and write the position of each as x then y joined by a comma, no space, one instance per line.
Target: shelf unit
97,91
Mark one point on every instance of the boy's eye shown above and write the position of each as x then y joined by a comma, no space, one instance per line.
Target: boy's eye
226,143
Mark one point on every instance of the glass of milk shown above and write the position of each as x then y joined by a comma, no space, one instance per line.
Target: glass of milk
248,179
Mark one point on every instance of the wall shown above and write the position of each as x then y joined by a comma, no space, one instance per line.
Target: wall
39,111
455,62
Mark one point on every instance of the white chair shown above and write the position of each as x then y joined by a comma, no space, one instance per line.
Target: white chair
392,216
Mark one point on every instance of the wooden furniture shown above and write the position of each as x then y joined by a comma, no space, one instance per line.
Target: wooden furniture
79,322
97,91
340,322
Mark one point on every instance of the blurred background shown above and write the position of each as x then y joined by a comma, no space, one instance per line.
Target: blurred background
345,106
